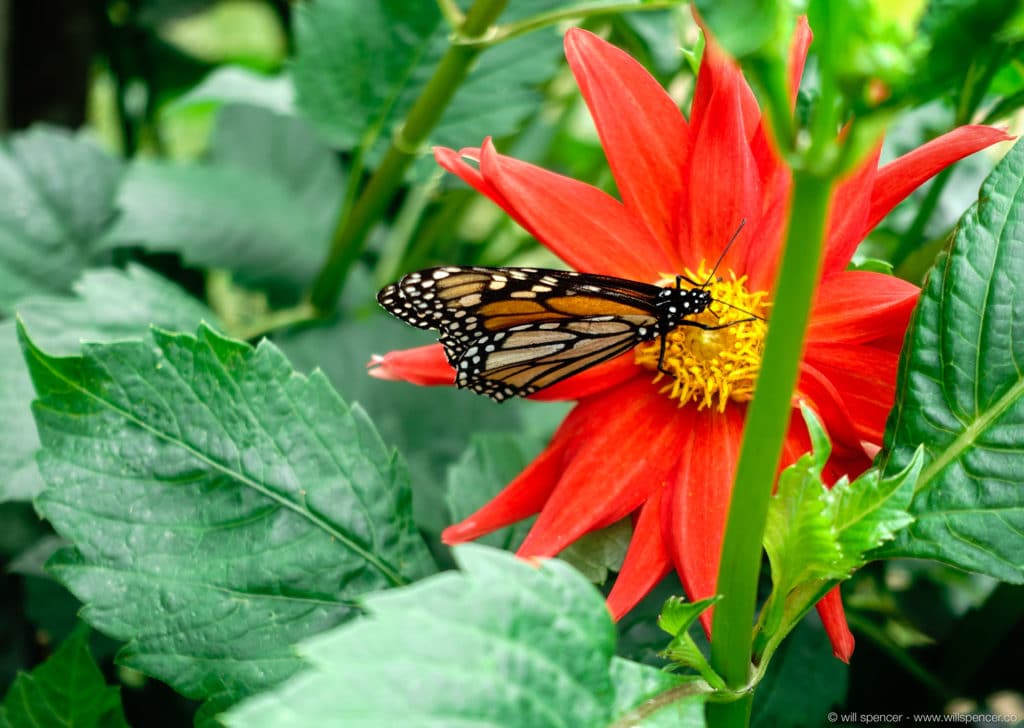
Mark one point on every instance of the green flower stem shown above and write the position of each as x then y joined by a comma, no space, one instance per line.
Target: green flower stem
583,10
763,437
350,235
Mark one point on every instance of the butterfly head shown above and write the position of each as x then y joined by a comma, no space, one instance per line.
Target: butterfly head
676,304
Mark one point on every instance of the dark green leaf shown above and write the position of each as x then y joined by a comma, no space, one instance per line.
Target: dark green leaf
360,67
501,643
266,144
218,215
221,506
56,197
961,392
66,690
110,305
804,681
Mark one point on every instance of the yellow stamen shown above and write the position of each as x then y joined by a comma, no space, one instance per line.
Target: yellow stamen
712,367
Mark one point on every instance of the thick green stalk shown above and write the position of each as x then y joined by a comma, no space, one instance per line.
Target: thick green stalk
351,233
763,437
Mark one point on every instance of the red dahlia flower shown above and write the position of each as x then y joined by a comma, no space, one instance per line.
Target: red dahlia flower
664,449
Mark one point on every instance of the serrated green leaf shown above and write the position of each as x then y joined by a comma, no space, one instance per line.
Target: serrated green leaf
501,643
960,392
57,195
220,216
66,690
677,614
360,67
109,305
221,506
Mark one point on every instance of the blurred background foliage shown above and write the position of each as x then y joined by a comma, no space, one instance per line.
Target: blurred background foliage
203,152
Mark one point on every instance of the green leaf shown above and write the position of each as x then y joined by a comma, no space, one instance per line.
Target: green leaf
359,67
960,392
221,506
56,197
677,614
267,144
110,304
598,552
501,642
259,230
819,533
66,690
236,85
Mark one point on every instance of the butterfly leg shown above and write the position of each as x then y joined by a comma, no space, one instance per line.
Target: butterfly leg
697,325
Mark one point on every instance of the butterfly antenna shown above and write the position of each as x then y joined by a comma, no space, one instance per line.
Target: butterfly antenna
724,252
742,310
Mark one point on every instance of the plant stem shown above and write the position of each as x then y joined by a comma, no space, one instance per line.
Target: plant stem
763,437
351,232
583,10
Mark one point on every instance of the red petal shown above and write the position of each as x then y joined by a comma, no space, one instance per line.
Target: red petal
902,176
455,163
643,133
802,37
587,228
625,450
830,609
647,561
526,494
824,398
866,378
724,183
857,306
718,71
593,380
697,502
423,365
847,224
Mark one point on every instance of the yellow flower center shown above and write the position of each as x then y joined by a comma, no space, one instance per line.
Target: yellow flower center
712,367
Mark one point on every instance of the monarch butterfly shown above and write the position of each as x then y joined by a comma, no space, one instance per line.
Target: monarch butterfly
513,331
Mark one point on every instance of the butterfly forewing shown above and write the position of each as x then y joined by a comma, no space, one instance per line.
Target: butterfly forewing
512,331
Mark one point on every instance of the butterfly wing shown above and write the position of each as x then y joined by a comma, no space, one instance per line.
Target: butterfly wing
526,358
513,331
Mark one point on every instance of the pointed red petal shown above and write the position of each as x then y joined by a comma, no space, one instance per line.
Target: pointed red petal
818,391
718,71
587,228
830,609
423,365
725,187
902,176
455,162
647,560
697,501
526,494
857,306
802,37
604,479
848,214
643,133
